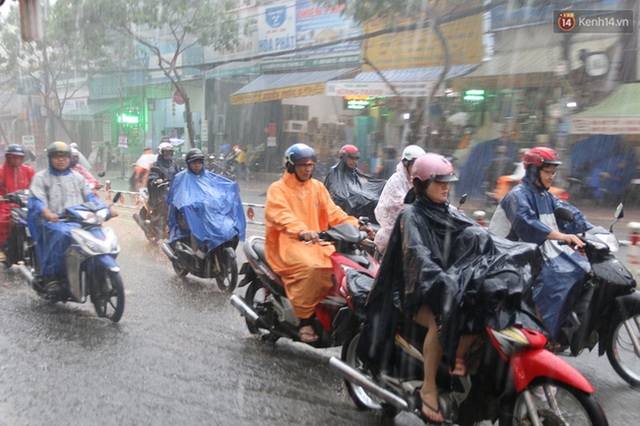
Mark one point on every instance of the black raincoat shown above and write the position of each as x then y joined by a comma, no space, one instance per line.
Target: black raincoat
468,277
355,192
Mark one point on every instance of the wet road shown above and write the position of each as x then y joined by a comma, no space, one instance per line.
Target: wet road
181,355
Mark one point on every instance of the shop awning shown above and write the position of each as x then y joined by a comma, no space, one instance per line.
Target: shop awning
269,87
517,67
414,82
89,111
617,114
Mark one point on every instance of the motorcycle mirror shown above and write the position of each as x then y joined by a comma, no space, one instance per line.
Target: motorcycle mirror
101,174
116,198
363,220
563,214
463,200
618,214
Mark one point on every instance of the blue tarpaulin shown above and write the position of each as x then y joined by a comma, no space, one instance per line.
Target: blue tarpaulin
603,163
471,173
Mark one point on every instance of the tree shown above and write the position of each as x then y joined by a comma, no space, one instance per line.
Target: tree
57,67
168,29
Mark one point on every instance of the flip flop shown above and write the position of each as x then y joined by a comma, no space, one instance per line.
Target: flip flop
426,419
307,336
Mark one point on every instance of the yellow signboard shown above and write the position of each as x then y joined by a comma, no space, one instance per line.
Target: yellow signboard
422,48
282,93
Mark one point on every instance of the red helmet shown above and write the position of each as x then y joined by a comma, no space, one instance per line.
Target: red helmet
349,151
540,156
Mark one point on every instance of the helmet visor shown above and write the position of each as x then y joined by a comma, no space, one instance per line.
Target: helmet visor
445,178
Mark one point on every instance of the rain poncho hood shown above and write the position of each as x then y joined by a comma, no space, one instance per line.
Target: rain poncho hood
210,205
526,213
468,277
355,192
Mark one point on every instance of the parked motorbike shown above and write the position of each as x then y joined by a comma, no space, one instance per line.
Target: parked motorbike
604,310
222,166
91,269
510,378
268,311
19,246
152,219
219,263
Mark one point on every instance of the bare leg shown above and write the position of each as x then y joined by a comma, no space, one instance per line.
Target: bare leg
432,352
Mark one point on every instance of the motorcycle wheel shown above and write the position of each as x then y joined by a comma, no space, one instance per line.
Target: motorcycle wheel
107,295
227,280
256,298
359,395
556,403
180,270
620,351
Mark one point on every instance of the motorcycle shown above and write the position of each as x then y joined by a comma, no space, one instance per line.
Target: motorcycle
90,267
222,166
19,247
510,378
153,219
219,263
605,309
268,311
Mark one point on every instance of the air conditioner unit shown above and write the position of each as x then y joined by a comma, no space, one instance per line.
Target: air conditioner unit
295,126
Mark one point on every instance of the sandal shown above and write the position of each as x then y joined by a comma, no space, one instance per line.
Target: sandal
460,368
307,336
430,420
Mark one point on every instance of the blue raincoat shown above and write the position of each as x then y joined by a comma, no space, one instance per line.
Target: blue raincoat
526,213
210,205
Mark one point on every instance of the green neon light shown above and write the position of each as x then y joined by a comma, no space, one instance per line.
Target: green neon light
128,119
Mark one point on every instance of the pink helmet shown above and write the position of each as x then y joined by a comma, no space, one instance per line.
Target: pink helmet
433,166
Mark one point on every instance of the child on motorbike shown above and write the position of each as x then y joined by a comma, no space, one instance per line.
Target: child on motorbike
448,274
204,205
526,214
297,207
52,191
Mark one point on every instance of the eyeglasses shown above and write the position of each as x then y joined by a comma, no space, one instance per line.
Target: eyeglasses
549,173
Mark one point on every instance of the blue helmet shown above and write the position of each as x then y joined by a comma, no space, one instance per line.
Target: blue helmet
15,149
296,153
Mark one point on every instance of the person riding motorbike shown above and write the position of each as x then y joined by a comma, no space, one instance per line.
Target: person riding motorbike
205,206
52,191
93,183
355,192
162,170
526,213
448,274
391,199
14,176
296,209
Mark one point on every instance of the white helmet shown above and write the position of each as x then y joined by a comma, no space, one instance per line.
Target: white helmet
412,152
165,146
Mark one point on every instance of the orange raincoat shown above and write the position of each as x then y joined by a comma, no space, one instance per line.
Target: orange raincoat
292,207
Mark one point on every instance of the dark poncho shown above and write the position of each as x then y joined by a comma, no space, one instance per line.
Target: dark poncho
469,278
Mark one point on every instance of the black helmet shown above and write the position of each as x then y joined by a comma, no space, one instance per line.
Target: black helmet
15,149
194,154
56,147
